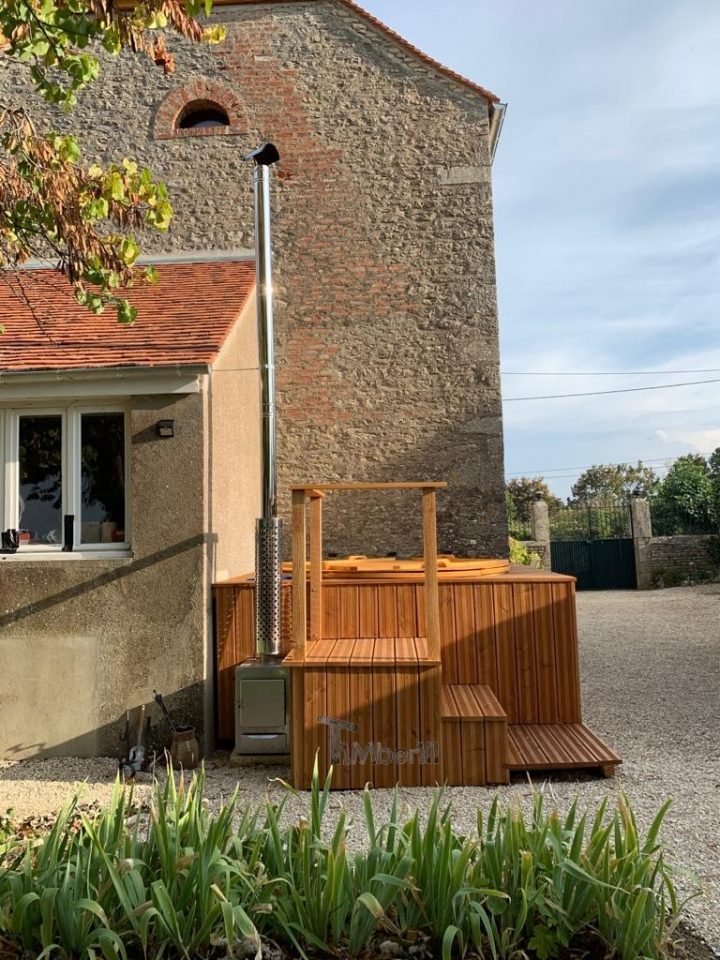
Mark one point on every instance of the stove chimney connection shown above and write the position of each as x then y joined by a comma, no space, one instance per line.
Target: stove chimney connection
268,527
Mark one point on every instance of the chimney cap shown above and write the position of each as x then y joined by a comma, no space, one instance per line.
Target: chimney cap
264,156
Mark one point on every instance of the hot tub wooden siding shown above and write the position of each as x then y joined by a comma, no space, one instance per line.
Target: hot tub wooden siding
515,633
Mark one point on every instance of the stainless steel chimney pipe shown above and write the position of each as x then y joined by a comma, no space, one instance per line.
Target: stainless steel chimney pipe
268,528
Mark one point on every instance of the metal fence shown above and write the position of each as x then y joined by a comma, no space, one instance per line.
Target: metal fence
592,520
669,521
518,527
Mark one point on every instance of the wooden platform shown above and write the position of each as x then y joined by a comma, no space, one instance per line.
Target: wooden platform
363,651
558,746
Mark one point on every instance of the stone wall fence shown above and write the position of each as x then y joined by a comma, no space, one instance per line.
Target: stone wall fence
540,532
671,561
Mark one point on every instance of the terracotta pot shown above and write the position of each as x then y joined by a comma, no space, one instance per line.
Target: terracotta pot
185,749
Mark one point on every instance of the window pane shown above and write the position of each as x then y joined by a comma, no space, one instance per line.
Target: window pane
102,474
40,464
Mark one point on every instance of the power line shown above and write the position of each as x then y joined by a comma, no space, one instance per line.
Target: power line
605,393
573,471
603,373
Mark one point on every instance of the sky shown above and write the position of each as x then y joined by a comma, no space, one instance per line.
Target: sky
607,217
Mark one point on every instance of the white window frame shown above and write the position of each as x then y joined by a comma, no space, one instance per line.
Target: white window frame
71,426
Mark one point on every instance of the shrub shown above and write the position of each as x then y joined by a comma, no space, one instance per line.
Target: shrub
714,551
519,553
182,882
663,577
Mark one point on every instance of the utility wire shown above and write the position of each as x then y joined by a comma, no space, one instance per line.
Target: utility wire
572,471
605,393
603,373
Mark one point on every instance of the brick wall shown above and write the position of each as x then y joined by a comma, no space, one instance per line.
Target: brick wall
386,299
674,560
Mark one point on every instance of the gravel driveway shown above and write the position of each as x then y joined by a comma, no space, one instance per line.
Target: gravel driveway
651,687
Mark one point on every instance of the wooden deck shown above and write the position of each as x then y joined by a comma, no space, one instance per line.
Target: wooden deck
558,746
376,722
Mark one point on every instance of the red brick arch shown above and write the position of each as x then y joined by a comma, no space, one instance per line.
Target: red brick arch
207,93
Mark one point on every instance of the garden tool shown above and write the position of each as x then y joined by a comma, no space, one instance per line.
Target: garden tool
135,760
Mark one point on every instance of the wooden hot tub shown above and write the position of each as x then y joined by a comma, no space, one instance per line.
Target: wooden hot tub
477,666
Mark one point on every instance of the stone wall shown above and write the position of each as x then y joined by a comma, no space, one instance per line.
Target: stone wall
542,549
385,279
683,559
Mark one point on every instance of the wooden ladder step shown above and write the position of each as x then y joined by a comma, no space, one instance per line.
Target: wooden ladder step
558,746
363,652
474,729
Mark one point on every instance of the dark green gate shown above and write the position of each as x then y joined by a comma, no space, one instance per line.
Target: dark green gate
593,542
597,564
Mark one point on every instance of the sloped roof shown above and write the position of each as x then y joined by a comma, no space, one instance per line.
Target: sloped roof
435,64
183,319
401,41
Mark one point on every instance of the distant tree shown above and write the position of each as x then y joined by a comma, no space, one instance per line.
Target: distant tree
522,492
714,466
615,482
684,500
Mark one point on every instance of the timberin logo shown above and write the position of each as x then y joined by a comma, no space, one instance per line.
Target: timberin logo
345,753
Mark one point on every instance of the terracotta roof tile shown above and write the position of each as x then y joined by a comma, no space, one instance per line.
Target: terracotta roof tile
183,319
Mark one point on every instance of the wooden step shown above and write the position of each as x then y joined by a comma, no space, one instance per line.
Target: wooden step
470,701
363,652
558,746
474,736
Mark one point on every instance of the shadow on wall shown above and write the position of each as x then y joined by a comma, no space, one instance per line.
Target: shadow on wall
104,579
83,641
182,705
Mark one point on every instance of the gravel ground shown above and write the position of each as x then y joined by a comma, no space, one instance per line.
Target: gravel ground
651,688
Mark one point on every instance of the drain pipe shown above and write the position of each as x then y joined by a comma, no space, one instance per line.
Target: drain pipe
268,527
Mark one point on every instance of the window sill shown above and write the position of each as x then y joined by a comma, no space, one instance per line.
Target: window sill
50,556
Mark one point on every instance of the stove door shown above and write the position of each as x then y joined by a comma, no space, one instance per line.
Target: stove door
261,704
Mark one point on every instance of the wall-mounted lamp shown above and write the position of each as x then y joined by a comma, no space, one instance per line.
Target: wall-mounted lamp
166,428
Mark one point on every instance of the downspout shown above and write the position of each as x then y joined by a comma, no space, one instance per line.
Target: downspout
497,118
268,527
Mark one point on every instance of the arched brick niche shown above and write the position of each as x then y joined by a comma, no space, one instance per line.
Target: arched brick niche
202,95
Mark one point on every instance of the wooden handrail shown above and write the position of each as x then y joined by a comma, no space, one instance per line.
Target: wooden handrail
314,493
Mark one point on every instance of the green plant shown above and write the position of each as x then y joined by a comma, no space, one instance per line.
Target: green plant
519,553
713,549
7,832
101,887
177,881
663,577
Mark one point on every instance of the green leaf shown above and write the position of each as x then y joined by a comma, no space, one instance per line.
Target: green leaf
129,251
544,943
449,937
